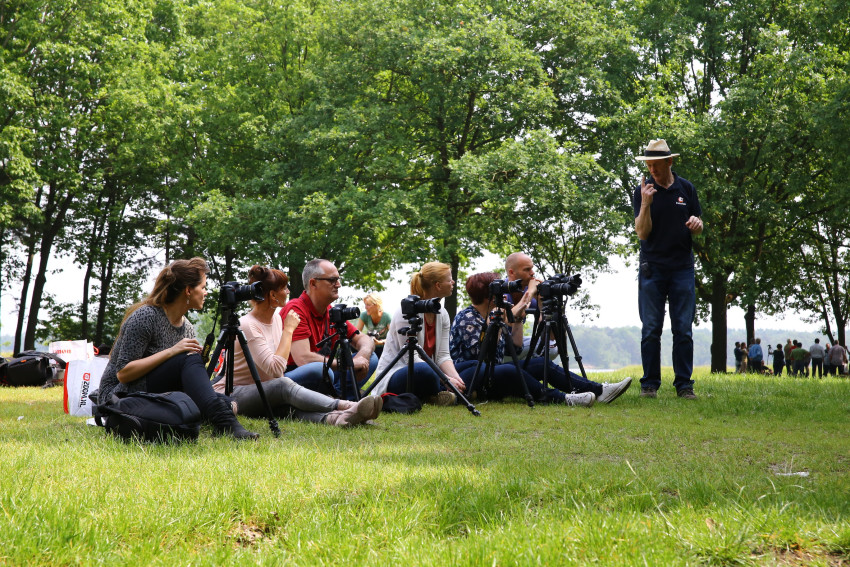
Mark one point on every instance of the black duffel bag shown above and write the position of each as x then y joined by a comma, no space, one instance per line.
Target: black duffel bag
28,368
155,418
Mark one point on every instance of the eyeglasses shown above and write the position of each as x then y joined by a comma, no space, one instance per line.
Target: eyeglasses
333,280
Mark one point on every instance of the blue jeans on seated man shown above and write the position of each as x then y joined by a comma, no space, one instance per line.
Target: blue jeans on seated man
311,376
657,287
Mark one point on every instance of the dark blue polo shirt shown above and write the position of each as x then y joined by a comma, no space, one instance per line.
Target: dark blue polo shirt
669,244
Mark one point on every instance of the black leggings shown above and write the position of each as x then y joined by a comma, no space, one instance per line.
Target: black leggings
185,373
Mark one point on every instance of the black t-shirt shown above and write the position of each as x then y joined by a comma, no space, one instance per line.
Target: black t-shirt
669,243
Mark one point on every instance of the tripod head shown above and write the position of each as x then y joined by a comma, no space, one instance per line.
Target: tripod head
411,307
339,315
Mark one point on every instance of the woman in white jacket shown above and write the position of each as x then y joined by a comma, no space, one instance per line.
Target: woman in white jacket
434,280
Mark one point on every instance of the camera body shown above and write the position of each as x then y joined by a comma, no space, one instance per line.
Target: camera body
341,313
411,305
559,285
232,293
501,287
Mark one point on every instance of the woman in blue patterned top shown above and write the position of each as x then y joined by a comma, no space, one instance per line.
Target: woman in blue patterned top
465,339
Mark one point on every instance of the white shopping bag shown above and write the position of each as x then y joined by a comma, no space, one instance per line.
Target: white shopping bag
72,350
81,378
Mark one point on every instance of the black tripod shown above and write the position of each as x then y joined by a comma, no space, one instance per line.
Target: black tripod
341,351
230,331
487,355
412,346
551,321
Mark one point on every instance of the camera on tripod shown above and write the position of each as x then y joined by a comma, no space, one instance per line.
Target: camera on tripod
559,285
411,305
232,293
341,313
501,287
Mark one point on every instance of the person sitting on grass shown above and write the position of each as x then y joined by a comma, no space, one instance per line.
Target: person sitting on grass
434,280
375,320
269,341
467,332
156,349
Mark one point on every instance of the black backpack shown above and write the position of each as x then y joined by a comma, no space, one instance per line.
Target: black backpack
28,368
155,418
401,403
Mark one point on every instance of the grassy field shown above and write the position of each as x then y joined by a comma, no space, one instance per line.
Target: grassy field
754,472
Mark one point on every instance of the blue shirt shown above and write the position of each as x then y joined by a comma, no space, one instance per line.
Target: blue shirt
466,335
756,354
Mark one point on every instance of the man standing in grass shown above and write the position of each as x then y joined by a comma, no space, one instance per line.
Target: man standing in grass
800,358
667,216
817,352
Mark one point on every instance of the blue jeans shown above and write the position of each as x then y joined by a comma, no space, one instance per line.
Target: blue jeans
310,376
425,381
505,383
557,378
656,288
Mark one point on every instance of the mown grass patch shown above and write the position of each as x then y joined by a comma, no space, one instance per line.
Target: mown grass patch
753,473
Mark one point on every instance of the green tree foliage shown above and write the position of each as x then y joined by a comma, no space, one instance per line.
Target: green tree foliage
427,138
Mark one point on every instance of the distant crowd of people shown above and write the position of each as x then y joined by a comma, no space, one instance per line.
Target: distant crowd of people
818,360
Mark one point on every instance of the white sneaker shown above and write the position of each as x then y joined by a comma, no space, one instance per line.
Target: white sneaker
586,399
611,392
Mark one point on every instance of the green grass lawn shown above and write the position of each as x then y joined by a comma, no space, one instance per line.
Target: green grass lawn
754,472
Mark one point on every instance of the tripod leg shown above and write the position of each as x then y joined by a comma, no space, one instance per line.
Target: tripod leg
219,346
345,367
445,380
546,328
255,375
474,381
486,355
509,344
326,373
382,375
560,341
535,337
576,355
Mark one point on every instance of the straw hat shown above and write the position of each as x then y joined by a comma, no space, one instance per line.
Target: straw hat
656,149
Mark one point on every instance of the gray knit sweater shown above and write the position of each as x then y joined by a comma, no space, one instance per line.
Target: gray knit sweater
146,332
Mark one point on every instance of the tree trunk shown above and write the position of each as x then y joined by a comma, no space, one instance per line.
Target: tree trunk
105,284
718,325
94,245
750,323
228,263
111,238
451,301
296,285
54,215
25,286
38,291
